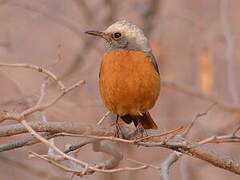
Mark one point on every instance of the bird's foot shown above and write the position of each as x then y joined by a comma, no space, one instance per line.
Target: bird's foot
140,131
118,130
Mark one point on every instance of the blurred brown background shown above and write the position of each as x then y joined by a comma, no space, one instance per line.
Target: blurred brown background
196,44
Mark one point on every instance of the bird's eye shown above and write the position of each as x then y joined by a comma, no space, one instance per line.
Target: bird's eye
117,35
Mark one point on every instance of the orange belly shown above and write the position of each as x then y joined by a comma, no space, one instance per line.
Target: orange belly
129,83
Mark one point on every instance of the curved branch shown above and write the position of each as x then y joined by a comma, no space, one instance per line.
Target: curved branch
36,68
107,148
171,159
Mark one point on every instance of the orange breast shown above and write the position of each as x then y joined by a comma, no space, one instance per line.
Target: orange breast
129,83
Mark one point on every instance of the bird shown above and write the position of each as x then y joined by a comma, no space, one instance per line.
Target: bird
129,78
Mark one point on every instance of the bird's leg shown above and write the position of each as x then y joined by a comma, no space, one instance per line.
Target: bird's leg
141,130
118,129
145,132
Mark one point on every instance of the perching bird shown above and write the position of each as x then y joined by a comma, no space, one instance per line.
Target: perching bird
129,79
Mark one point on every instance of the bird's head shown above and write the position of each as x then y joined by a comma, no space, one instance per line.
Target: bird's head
123,35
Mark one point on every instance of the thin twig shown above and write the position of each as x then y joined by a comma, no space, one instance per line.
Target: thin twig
221,139
36,135
102,119
65,156
41,107
26,141
159,135
54,163
235,132
196,117
80,171
37,68
40,99
81,144
143,163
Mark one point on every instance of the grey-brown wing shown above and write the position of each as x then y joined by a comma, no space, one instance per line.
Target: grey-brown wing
154,62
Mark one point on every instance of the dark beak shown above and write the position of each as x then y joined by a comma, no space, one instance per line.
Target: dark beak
101,34
95,33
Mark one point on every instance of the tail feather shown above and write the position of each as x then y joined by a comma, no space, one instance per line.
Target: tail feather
145,119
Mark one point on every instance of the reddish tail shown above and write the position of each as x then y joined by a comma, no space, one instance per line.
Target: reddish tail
145,120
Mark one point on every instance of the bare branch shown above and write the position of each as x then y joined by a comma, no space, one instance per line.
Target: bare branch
87,168
56,164
221,139
171,159
235,132
159,135
81,144
40,100
81,171
40,107
176,143
42,92
95,135
26,141
196,117
39,69
102,119
99,146
68,127
29,128
143,163
201,152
